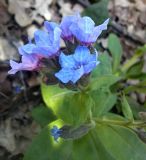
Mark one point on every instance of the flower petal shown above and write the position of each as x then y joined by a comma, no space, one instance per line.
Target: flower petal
66,61
50,26
28,63
66,23
15,67
98,29
89,67
82,55
48,44
78,73
104,25
65,75
86,24
27,49
41,38
55,36
83,29
93,62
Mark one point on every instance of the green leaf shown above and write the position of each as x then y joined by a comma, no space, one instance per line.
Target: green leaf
115,48
72,107
103,81
113,116
135,88
140,51
126,108
101,143
136,107
135,70
98,11
44,147
141,77
103,102
89,148
140,87
104,68
134,59
121,143
43,115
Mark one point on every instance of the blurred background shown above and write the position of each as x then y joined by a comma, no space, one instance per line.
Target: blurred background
19,19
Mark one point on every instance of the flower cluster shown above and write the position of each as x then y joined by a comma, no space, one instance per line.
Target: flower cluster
74,66
80,32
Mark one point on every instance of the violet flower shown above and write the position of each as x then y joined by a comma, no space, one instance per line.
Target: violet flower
29,63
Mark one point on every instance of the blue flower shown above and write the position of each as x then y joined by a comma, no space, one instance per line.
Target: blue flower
50,26
85,31
47,44
56,133
29,63
65,24
28,49
76,65
83,28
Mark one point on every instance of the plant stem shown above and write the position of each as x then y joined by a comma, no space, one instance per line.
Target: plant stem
121,123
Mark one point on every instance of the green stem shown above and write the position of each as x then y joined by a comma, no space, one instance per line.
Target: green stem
121,123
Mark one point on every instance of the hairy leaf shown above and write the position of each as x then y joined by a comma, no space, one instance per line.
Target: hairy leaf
72,107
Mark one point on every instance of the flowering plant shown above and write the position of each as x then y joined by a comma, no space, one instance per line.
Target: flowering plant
81,87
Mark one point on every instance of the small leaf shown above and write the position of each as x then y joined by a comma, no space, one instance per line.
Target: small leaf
136,107
115,48
140,51
135,88
126,108
135,70
134,59
140,87
43,115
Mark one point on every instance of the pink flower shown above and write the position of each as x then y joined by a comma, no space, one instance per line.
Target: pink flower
29,63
